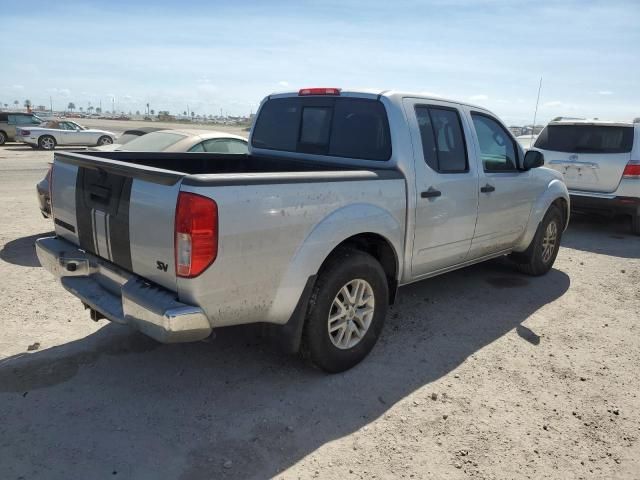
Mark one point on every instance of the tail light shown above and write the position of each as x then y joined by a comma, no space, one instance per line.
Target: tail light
632,170
50,183
196,234
318,91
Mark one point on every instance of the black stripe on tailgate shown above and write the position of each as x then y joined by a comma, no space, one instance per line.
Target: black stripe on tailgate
119,229
98,190
83,215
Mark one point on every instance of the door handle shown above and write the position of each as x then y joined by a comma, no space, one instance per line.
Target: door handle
431,193
487,188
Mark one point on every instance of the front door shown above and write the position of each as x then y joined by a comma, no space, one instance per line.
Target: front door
506,193
446,186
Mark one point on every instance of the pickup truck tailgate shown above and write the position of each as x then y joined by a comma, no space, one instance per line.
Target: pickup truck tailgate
124,214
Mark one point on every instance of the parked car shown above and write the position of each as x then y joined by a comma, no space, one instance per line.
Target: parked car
9,121
133,133
600,162
62,132
343,197
184,140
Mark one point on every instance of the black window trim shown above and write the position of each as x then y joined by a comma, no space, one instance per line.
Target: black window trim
429,106
514,142
329,101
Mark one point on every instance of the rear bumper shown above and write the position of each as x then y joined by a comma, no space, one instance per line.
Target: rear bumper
120,296
611,204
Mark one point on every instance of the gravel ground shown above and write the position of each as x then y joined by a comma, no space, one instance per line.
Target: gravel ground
480,373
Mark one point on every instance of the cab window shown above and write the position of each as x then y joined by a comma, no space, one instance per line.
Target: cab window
443,144
497,148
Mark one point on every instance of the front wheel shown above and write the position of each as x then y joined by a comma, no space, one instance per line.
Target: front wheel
105,140
543,250
346,311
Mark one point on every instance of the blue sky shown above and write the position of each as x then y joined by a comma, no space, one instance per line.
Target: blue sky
214,55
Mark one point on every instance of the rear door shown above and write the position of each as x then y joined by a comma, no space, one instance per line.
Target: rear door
591,157
124,215
446,186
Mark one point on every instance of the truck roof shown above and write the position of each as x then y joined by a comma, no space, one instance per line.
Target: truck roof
392,94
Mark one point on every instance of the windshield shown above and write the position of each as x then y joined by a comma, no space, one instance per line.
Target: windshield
586,139
154,142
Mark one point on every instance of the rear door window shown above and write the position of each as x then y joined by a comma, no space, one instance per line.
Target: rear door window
586,139
341,127
443,143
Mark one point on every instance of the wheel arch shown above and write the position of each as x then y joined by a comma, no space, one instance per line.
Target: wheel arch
368,227
555,194
379,248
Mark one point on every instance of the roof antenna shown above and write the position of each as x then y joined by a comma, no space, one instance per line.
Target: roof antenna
535,113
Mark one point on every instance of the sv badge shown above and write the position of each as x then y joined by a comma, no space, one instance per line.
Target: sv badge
162,266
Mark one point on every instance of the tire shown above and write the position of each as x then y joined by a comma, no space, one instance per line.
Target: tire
347,273
3,138
635,224
105,140
46,142
539,257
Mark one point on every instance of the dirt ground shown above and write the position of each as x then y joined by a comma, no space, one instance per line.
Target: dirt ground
480,373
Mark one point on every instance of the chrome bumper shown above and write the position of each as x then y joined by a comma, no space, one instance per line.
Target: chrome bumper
120,296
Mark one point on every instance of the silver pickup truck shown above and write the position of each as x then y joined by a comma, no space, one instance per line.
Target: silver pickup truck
343,197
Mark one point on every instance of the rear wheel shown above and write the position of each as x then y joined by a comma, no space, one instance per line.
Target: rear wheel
105,140
543,250
3,138
346,311
47,142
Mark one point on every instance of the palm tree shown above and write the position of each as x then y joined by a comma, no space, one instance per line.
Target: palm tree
81,108
71,106
16,103
89,109
98,110
152,112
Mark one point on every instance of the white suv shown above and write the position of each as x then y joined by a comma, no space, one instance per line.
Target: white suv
600,162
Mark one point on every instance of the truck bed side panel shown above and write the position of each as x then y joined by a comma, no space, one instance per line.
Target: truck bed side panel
263,227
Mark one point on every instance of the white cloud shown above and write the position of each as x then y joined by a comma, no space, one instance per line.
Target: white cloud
283,83
554,103
478,97
605,92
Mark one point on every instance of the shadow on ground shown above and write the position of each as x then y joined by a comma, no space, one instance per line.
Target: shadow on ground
599,234
116,403
22,251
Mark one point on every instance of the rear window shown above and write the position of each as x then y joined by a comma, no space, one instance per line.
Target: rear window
586,139
153,142
340,127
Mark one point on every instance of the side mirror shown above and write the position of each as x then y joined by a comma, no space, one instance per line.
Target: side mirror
533,159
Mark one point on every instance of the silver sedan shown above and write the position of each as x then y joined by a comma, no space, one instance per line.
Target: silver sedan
63,133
